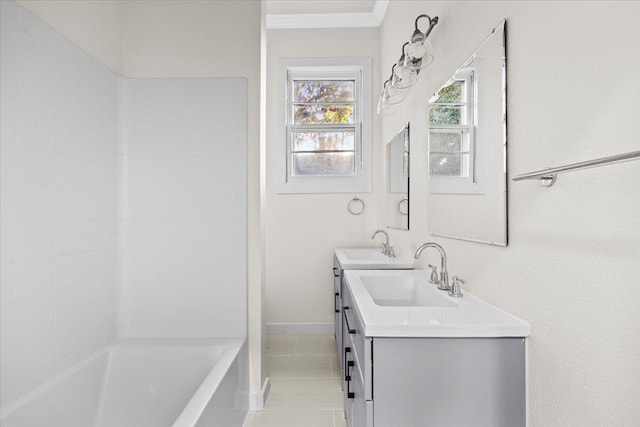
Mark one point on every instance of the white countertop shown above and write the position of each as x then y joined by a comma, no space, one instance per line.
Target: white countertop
369,259
470,316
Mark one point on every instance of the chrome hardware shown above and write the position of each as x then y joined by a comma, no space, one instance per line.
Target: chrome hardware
385,246
455,287
443,283
355,206
403,206
391,252
549,176
433,279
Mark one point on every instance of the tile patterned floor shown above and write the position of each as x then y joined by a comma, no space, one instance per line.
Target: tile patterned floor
305,383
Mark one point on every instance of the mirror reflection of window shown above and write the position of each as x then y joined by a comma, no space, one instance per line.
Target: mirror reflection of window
452,130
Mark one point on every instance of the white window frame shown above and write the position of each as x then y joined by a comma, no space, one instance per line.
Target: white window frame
470,184
325,68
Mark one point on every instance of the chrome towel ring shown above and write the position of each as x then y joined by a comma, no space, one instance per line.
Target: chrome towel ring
355,206
403,206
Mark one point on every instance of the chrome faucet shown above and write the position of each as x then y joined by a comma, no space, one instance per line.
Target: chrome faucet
455,287
443,283
386,249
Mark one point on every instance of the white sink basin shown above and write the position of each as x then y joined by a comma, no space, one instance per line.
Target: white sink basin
369,259
402,303
404,291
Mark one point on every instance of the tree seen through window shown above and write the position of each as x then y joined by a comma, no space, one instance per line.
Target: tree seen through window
323,140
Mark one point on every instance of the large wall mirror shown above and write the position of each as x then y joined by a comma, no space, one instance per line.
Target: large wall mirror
468,148
397,197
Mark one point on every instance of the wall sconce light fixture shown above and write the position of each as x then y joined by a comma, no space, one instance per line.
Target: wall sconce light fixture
416,55
389,97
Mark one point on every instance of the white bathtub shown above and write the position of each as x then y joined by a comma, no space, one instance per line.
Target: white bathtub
144,382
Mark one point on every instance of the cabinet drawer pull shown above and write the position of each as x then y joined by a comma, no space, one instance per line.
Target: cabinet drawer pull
334,272
335,302
346,351
346,321
350,394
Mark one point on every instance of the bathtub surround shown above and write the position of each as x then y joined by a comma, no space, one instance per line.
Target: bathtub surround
184,207
123,205
58,198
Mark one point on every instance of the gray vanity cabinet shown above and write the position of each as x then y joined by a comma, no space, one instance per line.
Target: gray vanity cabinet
430,382
361,411
356,368
337,304
442,382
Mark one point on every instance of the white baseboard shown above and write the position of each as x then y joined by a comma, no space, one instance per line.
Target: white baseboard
298,328
257,399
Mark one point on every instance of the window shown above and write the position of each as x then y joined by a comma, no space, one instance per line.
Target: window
326,140
452,150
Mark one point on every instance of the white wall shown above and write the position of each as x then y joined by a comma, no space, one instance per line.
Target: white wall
183,207
94,26
573,261
191,38
303,229
58,200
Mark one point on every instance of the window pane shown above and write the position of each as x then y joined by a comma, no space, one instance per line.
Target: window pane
323,140
321,114
324,90
446,115
451,93
449,164
446,142
323,164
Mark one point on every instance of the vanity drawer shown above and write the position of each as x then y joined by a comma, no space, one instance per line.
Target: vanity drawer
360,407
353,332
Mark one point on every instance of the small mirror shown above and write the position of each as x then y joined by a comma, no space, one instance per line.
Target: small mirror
397,198
467,148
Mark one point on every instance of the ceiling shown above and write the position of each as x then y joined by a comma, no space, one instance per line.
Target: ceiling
283,14
295,7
